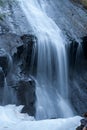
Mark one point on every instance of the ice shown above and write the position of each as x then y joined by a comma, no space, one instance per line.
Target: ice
12,119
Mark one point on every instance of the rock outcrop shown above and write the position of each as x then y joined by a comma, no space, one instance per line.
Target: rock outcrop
78,76
15,56
25,90
84,45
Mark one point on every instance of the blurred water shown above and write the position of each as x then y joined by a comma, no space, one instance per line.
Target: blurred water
52,81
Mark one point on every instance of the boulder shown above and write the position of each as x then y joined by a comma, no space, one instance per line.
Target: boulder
26,95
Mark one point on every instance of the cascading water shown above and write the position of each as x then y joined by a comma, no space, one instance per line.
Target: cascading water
52,81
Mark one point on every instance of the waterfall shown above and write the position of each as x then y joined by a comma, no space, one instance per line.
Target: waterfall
52,72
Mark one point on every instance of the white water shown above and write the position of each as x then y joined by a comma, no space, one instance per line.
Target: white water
52,81
12,119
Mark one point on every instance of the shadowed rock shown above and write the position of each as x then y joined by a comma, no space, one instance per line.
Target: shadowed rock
26,95
84,45
30,52
5,61
2,78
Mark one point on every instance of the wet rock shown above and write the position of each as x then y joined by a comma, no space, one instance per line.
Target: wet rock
84,45
5,61
2,83
29,109
2,78
29,55
10,42
72,52
26,95
77,76
78,94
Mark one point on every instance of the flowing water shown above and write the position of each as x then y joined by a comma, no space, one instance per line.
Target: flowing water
52,72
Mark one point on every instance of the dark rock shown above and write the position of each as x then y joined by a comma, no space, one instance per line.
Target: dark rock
30,52
2,78
77,76
2,84
20,50
29,109
72,53
5,61
80,127
78,91
84,45
26,95
29,38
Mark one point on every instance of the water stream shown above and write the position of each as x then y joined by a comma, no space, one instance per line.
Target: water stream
52,72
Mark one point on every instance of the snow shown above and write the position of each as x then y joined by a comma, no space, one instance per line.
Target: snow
12,119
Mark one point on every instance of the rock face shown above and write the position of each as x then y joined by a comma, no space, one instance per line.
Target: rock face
84,45
10,42
15,60
78,77
73,46
2,84
29,55
12,18
2,78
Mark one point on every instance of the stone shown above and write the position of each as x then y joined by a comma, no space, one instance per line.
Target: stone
84,45
5,61
2,83
72,53
79,128
29,54
26,95
29,109
10,42
2,78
